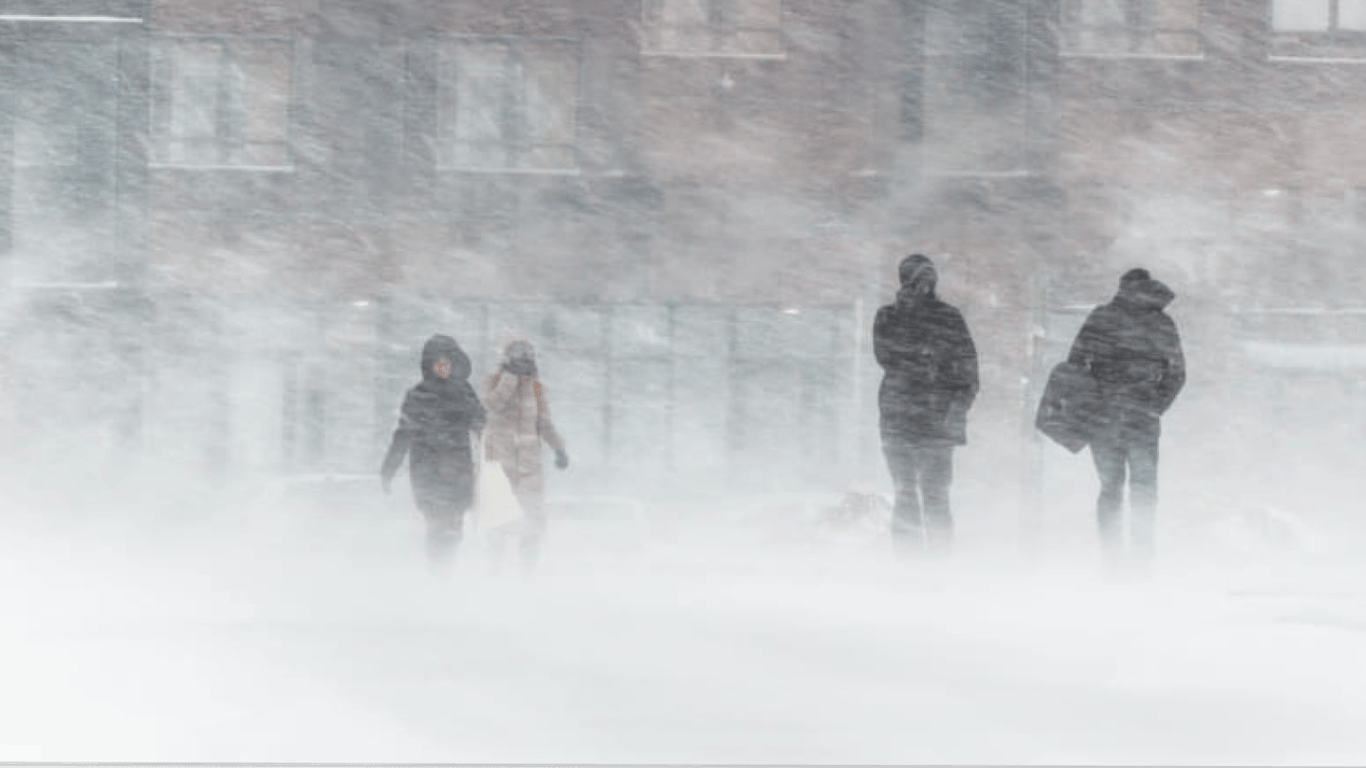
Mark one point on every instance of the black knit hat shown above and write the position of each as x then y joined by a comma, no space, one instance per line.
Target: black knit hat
912,266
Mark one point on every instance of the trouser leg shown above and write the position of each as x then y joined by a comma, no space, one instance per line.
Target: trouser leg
1111,461
530,492
908,534
1143,455
936,476
444,532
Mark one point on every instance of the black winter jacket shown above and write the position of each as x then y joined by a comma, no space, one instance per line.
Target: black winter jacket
929,367
1132,348
434,427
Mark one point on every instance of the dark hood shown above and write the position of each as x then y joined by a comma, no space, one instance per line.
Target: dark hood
1146,293
440,346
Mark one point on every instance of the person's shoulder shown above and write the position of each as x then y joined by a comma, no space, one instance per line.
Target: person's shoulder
1099,321
415,399
1106,310
944,306
945,310
471,396
885,319
1165,319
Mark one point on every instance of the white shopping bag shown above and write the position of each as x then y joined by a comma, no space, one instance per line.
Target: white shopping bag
495,505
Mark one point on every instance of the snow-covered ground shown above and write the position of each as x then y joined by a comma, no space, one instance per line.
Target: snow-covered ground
252,640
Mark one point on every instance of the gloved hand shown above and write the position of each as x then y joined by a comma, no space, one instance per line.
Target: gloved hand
561,459
384,481
520,366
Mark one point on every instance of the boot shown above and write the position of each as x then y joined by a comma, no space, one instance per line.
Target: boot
442,541
908,544
939,539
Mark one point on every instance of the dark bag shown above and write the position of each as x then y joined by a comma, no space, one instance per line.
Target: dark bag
1071,411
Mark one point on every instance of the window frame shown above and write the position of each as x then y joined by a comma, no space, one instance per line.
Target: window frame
1329,46
67,140
1141,27
936,124
1333,34
160,97
519,48
653,26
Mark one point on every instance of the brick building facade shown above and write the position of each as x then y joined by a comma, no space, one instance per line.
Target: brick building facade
252,212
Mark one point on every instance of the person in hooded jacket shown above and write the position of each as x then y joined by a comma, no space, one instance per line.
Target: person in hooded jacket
1133,350
434,426
519,421
929,382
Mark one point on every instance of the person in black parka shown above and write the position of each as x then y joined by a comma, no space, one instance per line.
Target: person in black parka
434,426
1133,350
929,382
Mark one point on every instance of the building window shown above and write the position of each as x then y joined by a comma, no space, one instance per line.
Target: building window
973,88
508,105
218,102
1131,27
740,28
45,135
58,207
1318,15
1318,30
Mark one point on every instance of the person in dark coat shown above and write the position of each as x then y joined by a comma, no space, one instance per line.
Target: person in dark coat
929,382
434,426
1133,350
